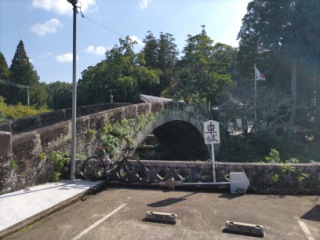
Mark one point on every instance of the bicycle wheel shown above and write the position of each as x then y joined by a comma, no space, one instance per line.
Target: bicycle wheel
130,170
93,168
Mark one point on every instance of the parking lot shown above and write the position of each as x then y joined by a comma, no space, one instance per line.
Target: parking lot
119,213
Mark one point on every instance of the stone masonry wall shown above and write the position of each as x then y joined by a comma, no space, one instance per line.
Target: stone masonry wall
26,144
46,119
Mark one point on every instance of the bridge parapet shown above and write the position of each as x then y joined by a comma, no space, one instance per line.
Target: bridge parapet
264,178
20,125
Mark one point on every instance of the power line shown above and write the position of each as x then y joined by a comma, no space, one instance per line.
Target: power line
12,84
101,25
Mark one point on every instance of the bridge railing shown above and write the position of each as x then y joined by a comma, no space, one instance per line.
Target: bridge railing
263,177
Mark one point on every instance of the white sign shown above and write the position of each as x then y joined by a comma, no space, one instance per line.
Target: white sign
211,132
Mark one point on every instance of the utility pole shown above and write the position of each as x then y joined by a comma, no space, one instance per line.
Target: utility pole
111,96
28,98
74,91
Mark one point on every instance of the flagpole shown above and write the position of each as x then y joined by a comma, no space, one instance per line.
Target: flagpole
255,94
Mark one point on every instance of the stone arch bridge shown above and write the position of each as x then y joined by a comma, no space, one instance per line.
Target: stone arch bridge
26,146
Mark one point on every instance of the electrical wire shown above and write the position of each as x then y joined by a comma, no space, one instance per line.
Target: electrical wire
99,24
12,84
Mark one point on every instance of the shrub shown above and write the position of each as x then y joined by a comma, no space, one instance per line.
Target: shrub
18,111
61,162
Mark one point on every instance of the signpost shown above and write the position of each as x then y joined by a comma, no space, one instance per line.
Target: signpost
239,182
212,136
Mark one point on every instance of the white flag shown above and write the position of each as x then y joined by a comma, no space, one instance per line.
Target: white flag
258,75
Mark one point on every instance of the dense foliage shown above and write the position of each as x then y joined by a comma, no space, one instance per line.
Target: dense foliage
204,73
59,95
280,37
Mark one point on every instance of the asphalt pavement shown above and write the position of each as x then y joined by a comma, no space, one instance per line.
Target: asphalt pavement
120,211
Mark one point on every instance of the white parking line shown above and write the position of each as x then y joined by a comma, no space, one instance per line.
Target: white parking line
84,232
306,230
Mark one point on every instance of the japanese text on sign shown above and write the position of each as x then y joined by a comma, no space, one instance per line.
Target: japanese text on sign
211,132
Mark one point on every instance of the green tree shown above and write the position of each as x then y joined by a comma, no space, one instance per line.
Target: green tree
92,87
307,41
201,77
4,70
23,74
59,95
167,59
161,54
263,33
280,36
122,70
150,50
4,76
38,95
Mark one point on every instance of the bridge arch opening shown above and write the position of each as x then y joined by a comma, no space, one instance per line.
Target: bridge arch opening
176,140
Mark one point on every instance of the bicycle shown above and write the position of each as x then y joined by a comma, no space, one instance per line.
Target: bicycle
97,168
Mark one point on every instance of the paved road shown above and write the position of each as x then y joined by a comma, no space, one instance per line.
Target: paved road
118,213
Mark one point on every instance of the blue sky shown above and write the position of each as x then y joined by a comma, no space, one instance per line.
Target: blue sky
45,27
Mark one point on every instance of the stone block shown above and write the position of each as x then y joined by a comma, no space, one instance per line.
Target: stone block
54,135
6,146
24,145
142,108
130,112
6,126
25,124
50,118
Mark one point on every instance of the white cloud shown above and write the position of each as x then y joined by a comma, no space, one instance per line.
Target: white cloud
47,27
67,57
144,3
138,40
99,50
62,7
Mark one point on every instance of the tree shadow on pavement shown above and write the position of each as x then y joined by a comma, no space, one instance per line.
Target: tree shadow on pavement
170,201
230,196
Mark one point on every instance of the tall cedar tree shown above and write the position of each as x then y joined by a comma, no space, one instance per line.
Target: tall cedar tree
4,76
23,73
161,54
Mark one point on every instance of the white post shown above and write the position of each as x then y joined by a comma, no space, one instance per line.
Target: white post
213,163
212,136
28,98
